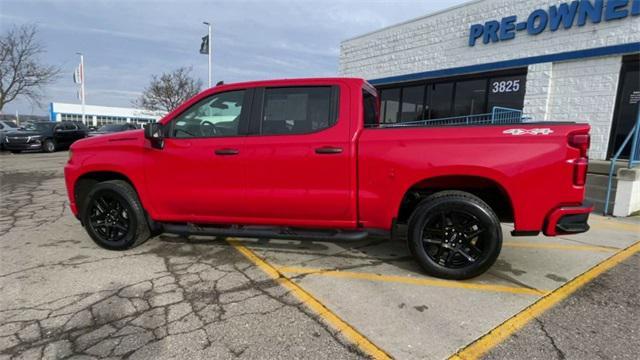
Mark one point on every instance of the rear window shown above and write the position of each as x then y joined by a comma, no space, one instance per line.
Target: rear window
369,107
299,110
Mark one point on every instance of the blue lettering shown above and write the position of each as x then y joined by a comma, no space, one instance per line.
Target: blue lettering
474,33
635,8
594,12
507,27
564,14
615,11
541,17
491,31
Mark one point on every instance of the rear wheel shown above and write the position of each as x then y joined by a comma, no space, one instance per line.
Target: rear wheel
48,146
114,217
454,235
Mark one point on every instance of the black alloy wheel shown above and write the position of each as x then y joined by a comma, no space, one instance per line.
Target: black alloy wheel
454,235
453,238
110,217
113,216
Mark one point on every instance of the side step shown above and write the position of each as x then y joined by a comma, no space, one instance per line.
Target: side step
264,232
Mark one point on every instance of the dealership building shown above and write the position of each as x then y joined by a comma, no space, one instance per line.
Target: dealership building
101,115
554,60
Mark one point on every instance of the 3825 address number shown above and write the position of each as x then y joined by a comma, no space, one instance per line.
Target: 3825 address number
507,86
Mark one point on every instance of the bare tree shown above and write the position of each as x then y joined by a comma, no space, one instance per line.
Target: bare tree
169,90
21,72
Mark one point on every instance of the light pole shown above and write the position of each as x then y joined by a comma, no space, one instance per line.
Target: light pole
209,48
84,120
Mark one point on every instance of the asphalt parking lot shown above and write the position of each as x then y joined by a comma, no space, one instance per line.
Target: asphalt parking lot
175,297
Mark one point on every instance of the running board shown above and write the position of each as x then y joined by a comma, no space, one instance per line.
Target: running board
264,232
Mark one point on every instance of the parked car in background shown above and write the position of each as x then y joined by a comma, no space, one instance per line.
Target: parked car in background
45,136
113,128
6,127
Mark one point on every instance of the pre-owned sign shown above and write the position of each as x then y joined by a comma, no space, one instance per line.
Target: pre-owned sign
564,15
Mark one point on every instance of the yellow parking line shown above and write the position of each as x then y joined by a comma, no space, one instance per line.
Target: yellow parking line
410,280
534,245
487,342
350,333
614,225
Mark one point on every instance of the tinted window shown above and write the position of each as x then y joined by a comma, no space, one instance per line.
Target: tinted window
507,91
390,105
369,109
440,102
11,124
298,110
470,97
69,126
214,116
412,103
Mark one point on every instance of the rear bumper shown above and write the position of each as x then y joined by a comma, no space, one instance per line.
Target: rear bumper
568,220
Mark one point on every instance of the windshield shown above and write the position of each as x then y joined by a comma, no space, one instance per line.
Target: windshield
11,124
36,126
111,127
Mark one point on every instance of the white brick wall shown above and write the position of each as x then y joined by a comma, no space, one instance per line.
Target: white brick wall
440,41
582,90
585,91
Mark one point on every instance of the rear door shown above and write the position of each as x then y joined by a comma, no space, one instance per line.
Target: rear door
298,169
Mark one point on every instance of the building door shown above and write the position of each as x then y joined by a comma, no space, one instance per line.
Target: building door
627,106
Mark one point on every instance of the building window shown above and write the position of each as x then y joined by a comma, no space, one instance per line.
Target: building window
440,100
506,91
461,96
390,105
470,97
412,103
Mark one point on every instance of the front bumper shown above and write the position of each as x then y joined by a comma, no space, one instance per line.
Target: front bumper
22,146
568,220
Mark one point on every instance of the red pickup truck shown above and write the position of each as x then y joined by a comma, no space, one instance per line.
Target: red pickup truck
307,159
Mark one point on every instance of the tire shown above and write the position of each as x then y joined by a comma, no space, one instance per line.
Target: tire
48,146
114,217
454,235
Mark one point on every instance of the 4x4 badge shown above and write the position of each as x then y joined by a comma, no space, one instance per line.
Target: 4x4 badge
543,131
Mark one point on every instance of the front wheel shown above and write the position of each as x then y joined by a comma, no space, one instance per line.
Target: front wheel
48,146
113,216
454,235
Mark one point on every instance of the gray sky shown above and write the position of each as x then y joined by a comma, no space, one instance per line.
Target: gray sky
125,42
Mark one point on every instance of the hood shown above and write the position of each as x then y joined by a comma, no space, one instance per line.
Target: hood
110,139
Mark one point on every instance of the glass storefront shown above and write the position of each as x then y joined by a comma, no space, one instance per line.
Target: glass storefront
627,105
441,98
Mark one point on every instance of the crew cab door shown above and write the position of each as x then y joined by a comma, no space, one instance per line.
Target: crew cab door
199,175
299,169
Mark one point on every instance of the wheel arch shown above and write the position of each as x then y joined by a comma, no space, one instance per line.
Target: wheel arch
489,189
86,181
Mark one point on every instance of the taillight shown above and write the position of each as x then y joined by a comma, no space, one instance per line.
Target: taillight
580,165
580,171
580,141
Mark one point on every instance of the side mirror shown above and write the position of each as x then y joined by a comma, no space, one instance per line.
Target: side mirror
154,132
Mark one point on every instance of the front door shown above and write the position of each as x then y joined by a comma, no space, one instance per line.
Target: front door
627,107
199,176
299,169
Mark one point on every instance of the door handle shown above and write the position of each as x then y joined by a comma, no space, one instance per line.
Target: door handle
227,152
327,150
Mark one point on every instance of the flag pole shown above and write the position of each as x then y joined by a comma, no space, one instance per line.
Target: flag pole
84,120
209,49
